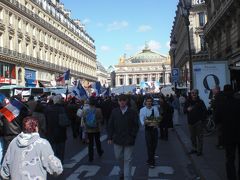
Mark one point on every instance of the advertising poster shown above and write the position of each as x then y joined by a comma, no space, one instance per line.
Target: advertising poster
207,75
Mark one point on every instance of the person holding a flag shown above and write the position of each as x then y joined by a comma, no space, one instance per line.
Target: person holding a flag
11,117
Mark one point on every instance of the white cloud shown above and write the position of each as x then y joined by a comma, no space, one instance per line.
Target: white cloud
168,44
144,28
105,48
86,21
154,45
117,25
128,47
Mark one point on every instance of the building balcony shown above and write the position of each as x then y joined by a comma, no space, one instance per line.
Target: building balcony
34,17
217,15
17,58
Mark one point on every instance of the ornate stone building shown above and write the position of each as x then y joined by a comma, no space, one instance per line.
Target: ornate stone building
39,41
223,35
102,74
146,66
179,38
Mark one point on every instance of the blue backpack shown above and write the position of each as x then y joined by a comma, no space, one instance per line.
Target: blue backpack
90,120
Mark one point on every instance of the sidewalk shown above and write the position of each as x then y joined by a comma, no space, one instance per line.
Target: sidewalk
210,166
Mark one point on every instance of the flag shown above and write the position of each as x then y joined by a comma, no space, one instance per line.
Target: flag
79,92
98,87
11,110
106,92
65,76
40,84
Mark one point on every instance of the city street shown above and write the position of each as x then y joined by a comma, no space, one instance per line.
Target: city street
172,161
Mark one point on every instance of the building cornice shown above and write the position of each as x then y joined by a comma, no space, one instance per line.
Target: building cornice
217,16
34,1
35,18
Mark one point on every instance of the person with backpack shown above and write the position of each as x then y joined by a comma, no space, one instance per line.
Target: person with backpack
151,129
92,118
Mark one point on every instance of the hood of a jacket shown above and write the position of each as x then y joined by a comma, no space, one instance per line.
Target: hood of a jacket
24,139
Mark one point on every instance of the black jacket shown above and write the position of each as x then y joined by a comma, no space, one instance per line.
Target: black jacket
123,128
228,114
198,112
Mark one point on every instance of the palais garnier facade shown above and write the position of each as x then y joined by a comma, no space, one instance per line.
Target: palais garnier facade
146,66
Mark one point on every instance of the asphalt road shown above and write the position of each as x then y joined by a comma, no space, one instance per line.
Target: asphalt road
173,162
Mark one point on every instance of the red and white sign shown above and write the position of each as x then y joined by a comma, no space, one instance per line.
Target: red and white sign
7,80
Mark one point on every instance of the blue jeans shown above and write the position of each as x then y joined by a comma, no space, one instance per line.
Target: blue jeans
124,155
1,150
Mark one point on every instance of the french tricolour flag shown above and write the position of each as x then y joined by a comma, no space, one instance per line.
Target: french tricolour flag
11,110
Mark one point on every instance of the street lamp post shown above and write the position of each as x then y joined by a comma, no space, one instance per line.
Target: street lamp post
164,70
185,6
173,48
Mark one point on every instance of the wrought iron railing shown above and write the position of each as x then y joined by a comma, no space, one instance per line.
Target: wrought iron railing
48,26
26,59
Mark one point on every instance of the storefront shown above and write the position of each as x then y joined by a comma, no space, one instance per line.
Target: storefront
7,74
30,78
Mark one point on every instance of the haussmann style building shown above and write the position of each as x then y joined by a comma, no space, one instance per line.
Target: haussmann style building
39,41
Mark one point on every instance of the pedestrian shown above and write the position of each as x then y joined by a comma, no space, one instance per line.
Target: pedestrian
166,120
176,106
196,115
56,132
92,118
29,156
148,113
228,113
122,131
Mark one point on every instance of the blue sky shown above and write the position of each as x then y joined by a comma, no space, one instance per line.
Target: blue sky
123,26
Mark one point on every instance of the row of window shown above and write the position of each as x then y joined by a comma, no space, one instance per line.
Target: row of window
138,80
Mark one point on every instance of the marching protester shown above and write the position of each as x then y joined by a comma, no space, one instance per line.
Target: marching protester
122,131
148,115
176,106
57,123
167,116
29,156
92,118
228,114
11,117
196,114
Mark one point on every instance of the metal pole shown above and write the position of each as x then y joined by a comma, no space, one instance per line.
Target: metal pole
189,50
174,65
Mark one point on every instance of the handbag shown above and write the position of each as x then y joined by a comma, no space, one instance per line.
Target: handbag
63,120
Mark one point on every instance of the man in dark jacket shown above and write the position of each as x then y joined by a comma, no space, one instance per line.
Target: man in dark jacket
122,131
228,113
196,114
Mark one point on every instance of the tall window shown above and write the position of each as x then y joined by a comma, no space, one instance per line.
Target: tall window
130,81
1,40
138,80
1,13
19,23
11,43
121,81
145,79
201,16
19,46
10,18
153,79
202,43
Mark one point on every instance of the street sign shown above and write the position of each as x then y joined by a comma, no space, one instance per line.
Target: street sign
175,75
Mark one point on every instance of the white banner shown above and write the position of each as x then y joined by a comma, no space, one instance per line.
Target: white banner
22,92
207,75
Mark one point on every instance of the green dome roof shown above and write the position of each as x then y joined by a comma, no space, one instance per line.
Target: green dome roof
147,56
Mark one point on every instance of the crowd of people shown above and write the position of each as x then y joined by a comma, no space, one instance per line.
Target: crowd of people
33,143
